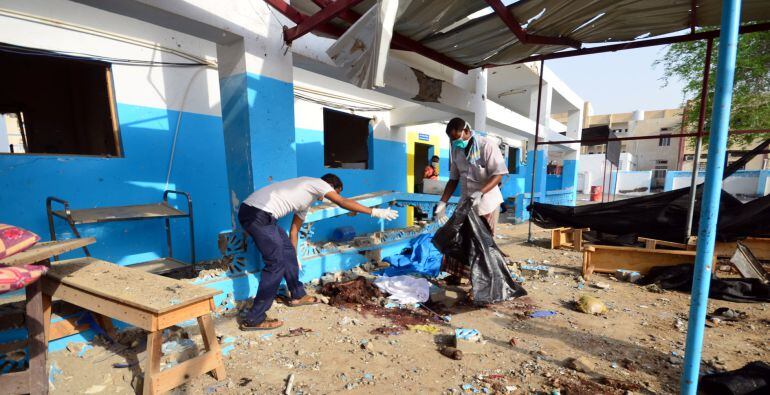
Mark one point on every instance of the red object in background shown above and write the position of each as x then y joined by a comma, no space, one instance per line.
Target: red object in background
596,193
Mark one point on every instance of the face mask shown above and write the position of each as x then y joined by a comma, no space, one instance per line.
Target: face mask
434,164
460,143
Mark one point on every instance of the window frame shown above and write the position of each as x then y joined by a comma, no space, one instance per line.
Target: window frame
111,104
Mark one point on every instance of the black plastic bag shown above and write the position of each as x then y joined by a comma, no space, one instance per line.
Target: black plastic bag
752,379
466,238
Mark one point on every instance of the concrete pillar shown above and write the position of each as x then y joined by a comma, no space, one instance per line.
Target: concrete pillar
479,104
257,112
570,169
545,104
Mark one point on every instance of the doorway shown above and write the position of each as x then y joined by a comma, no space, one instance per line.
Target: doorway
422,154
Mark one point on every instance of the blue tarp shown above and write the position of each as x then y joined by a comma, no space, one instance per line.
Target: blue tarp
420,257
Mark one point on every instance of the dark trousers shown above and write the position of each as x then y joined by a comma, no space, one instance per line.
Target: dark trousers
279,256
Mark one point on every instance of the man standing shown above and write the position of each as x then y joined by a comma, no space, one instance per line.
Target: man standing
258,215
478,166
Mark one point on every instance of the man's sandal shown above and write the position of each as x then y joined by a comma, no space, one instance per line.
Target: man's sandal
265,325
304,301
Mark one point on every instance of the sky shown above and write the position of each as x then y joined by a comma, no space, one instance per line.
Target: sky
620,81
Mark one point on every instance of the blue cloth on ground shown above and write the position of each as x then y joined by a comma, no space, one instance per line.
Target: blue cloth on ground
420,257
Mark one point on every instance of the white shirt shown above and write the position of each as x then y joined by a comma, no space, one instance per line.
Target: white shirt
474,177
293,195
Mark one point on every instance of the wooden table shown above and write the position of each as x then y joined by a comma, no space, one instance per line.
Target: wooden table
147,301
35,379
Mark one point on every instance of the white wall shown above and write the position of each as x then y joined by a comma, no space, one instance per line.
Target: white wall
736,185
631,180
593,165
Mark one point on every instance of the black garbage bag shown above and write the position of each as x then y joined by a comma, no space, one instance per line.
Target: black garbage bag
752,379
467,238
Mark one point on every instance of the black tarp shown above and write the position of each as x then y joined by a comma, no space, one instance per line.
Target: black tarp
466,238
679,278
662,216
752,379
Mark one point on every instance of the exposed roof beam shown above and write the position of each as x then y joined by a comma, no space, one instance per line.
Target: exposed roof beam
312,22
402,42
298,17
758,27
525,38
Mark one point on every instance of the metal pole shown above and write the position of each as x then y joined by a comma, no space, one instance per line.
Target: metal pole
604,174
720,120
534,153
615,185
699,138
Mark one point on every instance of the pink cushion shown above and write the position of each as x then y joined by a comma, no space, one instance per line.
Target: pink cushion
14,240
18,277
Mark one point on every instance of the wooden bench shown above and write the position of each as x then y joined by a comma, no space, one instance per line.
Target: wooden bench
759,246
34,380
142,299
567,238
608,259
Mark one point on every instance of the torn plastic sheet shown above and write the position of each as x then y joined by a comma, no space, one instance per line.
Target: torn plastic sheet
466,238
363,50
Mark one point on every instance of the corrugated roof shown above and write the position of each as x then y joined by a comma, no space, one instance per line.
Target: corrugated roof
443,25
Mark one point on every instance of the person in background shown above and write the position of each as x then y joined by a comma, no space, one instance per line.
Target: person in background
431,170
258,215
478,166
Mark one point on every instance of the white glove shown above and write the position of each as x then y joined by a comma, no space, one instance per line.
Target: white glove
440,214
476,198
384,213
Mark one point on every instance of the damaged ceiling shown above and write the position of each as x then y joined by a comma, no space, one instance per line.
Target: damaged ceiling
445,26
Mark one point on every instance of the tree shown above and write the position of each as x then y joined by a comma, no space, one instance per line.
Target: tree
751,93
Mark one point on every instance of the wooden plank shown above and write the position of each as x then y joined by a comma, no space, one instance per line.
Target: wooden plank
43,251
206,325
38,347
608,259
152,365
759,246
66,327
128,286
185,313
99,304
654,243
12,346
121,213
179,374
47,317
15,383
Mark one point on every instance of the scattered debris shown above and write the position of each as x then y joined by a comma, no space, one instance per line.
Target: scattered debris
591,305
581,364
425,328
358,291
530,270
289,385
542,314
387,331
295,332
452,352
630,276
469,341
727,314
601,285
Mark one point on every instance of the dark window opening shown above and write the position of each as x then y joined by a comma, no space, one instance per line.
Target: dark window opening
346,140
513,160
664,141
51,105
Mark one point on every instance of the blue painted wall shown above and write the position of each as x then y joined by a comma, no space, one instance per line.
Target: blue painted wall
138,177
388,173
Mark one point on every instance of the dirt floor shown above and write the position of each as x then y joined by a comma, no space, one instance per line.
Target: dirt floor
636,347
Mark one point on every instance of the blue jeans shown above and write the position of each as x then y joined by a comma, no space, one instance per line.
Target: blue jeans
279,256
